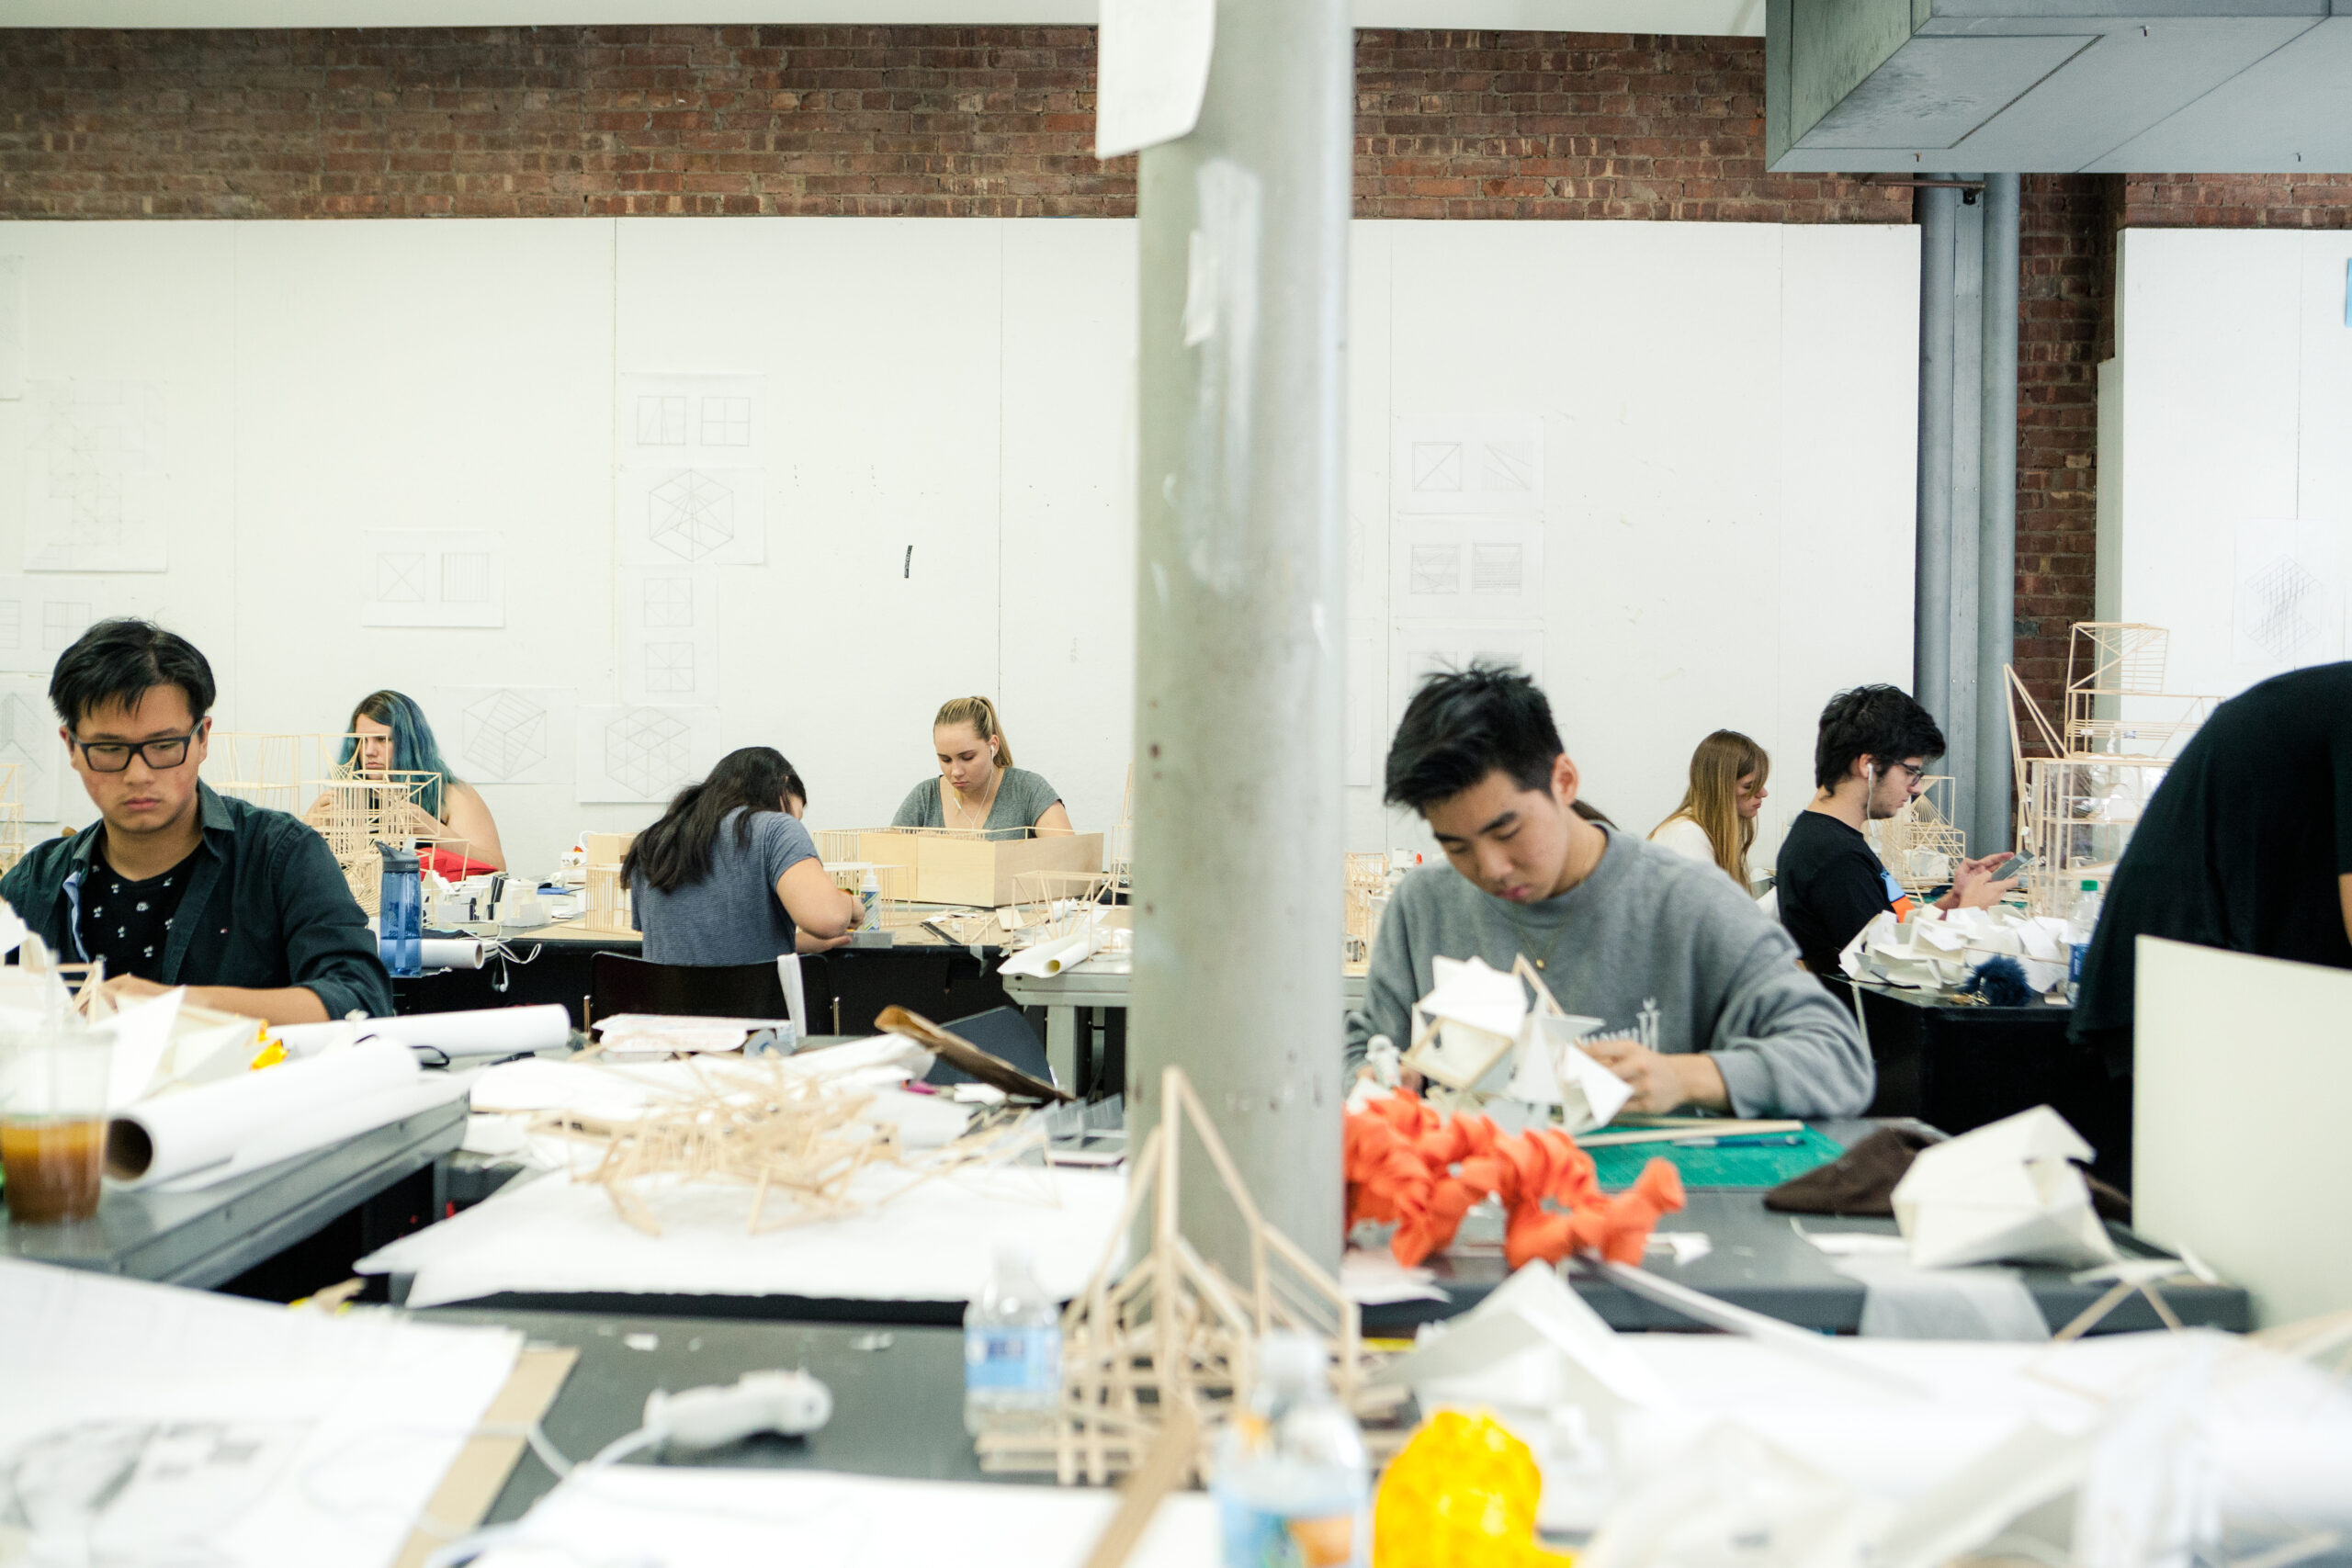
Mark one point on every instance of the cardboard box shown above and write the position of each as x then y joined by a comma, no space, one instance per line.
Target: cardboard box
977,871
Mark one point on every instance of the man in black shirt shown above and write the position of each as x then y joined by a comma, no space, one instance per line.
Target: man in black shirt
174,884
2247,846
1868,759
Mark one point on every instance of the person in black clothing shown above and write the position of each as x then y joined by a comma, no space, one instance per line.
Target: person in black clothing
174,884
2247,846
1873,750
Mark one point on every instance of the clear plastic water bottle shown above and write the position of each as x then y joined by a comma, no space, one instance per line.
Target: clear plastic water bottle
1292,1485
1012,1343
2081,920
400,911
869,897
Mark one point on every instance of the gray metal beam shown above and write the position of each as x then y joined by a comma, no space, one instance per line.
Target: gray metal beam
1931,612
1997,543
1240,620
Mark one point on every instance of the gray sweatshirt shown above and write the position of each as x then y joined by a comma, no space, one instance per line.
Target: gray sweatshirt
1663,949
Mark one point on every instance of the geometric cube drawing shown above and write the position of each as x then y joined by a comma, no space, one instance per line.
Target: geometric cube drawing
1436,466
1510,465
670,667
505,733
466,579
693,514
669,602
2286,607
726,421
400,579
24,735
1498,568
660,422
648,752
1436,569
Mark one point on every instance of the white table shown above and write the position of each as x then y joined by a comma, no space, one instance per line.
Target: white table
1100,985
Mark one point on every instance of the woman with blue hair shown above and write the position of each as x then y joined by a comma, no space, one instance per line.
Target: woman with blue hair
389,733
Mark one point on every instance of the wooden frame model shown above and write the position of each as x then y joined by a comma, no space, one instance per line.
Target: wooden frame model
11,815
1173,1331
1919,834
271,770
605,903
1367,878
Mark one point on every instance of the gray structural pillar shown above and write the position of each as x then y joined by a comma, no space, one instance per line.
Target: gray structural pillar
1241,622
1993,824
1951,409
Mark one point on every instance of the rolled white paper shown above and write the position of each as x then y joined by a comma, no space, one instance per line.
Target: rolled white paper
480,1031
453,952
1047,957
174,1134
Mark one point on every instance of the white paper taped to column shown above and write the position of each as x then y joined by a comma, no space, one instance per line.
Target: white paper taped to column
211,1124
480,1032
1047,957
1152,72
454,953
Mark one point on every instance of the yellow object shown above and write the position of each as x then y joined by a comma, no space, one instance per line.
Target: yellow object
1462,1495
271,1054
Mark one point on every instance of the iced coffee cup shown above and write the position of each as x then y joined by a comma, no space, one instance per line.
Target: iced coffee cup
52,1124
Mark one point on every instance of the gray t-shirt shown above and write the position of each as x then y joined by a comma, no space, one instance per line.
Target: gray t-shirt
1658,948
1020,798
731,915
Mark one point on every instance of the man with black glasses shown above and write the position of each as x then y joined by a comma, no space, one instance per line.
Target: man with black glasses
174,884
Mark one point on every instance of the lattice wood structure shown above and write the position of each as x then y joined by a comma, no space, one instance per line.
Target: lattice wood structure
279,771
12,814
356,812
1174,1331
1919,844
1367,879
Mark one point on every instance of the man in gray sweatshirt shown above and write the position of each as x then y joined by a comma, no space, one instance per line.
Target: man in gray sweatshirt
1700,988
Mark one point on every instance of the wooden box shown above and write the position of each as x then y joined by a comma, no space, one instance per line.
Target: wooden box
975,872
607,907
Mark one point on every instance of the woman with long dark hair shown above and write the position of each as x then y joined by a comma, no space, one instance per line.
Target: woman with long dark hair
728,875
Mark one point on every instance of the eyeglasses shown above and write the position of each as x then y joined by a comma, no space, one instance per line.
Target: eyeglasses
114,756
1914,772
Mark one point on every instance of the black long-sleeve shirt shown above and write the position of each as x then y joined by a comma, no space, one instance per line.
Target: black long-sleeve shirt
266,907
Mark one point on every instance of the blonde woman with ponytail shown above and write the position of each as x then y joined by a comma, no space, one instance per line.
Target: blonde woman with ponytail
1716,820
977,787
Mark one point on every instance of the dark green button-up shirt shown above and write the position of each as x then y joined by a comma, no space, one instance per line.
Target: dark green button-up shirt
266,907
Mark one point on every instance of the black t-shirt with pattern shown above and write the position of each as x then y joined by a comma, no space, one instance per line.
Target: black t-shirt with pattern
126,922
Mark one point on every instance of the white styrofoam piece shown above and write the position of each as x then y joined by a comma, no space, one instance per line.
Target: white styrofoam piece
2005,1192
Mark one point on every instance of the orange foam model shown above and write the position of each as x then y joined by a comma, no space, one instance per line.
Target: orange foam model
1423,1171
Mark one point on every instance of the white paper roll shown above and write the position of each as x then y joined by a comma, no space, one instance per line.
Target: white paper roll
157,1140
1047,957
453,952
480,1032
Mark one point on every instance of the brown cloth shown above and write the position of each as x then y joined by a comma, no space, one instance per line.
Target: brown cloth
1861,1181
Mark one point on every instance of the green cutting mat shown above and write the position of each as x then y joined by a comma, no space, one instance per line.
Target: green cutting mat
1750,1169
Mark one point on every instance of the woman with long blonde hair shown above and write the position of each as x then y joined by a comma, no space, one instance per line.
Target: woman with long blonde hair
977,787
1716,820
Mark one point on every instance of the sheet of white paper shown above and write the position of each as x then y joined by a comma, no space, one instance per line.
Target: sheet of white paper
1466,569
1372,1278
935,1241
642,754
94,476
142,1031
1420,648
708,513
432,577
41,615
12,327
669,647
148,1423
671,421
506,734
2290,600
29,740
1490,466
713,1517
1152,72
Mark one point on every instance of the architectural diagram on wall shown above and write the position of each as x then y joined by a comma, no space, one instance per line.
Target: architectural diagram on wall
433,578
12,327
41,616
669,645
708,513
2289,609
94,474
29,738
643,753
504,734
1420,648
1468,466
1466,569
673,419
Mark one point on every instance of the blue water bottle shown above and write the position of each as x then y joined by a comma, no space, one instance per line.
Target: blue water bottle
399,913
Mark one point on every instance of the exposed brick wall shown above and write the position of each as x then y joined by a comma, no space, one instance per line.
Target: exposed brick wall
912,121
2233,201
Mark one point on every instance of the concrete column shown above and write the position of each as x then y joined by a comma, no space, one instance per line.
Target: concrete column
1931,615
1996,541
1242,620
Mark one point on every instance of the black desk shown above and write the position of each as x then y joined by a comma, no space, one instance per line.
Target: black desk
1959,1066
845,988
898,1401
207,1237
